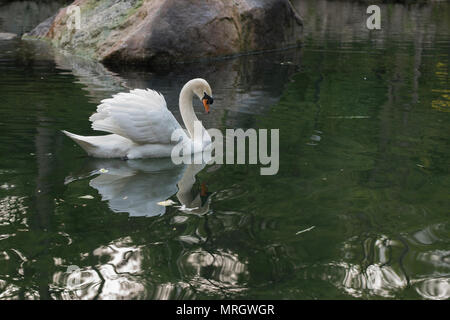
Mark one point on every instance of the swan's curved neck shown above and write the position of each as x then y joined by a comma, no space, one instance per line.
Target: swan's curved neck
187,109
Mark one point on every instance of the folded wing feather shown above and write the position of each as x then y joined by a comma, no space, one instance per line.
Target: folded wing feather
140,115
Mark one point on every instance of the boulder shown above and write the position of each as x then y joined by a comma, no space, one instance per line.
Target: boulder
158,32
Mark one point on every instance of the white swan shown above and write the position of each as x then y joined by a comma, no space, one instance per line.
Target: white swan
142,126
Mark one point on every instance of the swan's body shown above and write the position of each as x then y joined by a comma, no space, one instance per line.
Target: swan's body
141,126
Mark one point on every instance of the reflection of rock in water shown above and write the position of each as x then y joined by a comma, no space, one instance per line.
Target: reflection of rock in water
244,85
98,80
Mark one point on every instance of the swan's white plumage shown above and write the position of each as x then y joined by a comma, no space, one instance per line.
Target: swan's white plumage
140,115
141,126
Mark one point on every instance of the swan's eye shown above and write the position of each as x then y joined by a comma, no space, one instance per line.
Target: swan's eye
209,100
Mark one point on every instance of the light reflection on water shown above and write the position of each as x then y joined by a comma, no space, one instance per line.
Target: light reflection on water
364,159
122,275
385,274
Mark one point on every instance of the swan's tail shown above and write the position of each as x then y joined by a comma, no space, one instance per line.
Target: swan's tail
82,141
106,146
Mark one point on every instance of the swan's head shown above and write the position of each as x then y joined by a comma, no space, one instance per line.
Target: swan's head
203,91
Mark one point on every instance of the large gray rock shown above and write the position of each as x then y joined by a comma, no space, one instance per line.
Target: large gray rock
163,31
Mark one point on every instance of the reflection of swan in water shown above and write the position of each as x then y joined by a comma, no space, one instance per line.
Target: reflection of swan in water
194,201
137,186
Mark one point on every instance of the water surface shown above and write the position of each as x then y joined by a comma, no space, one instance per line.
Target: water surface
358,209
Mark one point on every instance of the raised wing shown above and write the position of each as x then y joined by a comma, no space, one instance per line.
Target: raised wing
140,115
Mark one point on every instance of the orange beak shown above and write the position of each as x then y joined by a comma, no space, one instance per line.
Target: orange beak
206,105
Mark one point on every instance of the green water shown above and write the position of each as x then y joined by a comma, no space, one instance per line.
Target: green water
358,209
